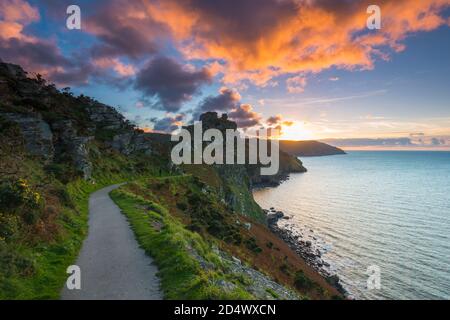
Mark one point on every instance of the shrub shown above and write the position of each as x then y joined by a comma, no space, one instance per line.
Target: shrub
194,200
11,197
195,226
11,262
65,197
182,206
284,268
16,197
236,238
9,226
217,228
301,281
250,243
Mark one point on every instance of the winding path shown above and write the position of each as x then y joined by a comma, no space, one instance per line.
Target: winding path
112,264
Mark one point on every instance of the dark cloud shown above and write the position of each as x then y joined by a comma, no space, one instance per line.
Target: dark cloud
229,101
119,36
37,53
246,20
244,116
170,83
44,57
274,120
277,122
73,76
225,101
167,124
117,27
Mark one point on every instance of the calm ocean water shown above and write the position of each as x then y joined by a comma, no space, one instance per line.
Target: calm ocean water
389,209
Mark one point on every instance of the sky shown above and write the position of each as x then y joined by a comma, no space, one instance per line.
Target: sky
310,68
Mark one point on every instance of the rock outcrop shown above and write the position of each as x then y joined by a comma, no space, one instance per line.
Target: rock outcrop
132,142
74,145
58,127
37,134
124,138
210,120
106,117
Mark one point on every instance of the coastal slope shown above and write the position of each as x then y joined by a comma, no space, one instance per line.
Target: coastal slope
309,148
200,224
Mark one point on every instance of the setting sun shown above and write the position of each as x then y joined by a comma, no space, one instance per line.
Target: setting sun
296,131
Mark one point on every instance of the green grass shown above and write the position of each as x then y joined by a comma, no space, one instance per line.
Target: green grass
174,249
50,260
245,203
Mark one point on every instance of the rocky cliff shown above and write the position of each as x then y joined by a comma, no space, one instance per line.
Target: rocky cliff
58,127
288,164
64,132
235,181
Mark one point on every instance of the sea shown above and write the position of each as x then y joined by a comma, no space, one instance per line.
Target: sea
381,220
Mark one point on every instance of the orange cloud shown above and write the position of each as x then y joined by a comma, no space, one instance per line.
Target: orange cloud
19,11
119,67
14,15
259,40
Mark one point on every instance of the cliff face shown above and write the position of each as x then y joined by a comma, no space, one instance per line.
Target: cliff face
58,128
288,163
237,180
62,130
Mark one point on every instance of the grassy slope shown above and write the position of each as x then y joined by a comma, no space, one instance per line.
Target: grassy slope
52,258
46,248
232,184
181,204
182,276
171,245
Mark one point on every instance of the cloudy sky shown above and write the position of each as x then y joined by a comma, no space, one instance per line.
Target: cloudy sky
309,67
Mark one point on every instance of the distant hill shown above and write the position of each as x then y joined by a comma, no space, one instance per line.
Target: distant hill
309,148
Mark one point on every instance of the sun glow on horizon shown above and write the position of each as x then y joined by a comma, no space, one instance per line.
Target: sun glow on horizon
296,131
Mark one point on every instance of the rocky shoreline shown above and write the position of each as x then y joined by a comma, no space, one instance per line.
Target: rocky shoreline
304,247
280,178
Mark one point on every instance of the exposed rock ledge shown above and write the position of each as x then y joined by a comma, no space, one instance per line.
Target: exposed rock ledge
37,134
